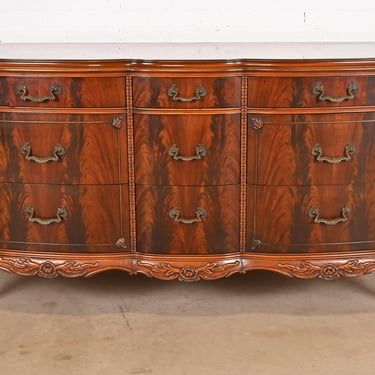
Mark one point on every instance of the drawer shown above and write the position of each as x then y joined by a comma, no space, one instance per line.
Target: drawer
60,92
57,149
299,92
313,149
187,92
187,220
62,219
187,149
313,219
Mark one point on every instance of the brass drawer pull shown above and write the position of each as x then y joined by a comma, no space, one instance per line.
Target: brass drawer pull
201,213
319,89
60,214
58,151
200,91
54,90
345,212
317,151
200,152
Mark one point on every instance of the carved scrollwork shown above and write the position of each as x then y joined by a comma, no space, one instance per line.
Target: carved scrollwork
188,273
47,269
329,271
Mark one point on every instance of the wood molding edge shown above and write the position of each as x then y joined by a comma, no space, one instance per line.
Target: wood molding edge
183,268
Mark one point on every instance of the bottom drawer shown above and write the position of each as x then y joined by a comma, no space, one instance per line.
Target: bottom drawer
59,218
188,219
313,219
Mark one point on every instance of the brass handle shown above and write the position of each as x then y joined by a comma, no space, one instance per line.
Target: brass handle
58,151
345,212
317,151
200,152
60,214
200,91
54,90
352,89
201,213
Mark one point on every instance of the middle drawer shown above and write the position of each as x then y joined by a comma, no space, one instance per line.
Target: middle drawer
187,150
188,219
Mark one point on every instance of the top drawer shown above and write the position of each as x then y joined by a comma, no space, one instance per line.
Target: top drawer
187,92
62,92
270,92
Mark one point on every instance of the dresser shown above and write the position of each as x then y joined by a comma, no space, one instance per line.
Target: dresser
188,162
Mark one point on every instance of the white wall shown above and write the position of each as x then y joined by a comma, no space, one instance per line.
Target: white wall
186,20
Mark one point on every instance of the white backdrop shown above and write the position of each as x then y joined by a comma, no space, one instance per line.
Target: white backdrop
186,20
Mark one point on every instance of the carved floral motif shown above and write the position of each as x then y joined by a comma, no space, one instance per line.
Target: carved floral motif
255,244
208,271
28,267
329,271
188,273
257,123
117,122
121,242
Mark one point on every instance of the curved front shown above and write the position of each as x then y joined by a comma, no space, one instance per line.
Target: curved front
187,170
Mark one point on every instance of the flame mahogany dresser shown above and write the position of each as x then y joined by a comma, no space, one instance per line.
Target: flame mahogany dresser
188,162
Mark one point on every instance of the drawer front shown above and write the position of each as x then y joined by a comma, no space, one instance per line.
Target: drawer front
313,219
56,149
311,91
187,220
35,91
187,150
187,92
63,219
313,149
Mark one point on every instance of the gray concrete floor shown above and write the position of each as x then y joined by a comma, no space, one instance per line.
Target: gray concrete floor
259,323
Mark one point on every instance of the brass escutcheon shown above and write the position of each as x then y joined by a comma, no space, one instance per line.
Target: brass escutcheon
22,90
173,91
314,212
58,151
61,213
174,214
319,89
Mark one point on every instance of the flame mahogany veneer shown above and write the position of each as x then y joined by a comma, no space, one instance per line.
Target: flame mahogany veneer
187,170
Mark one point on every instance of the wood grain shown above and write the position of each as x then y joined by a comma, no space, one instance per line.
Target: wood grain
280,179
94,219
158,233
282,223
92,149
285,143
221,92
219,134
76,91
296,92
